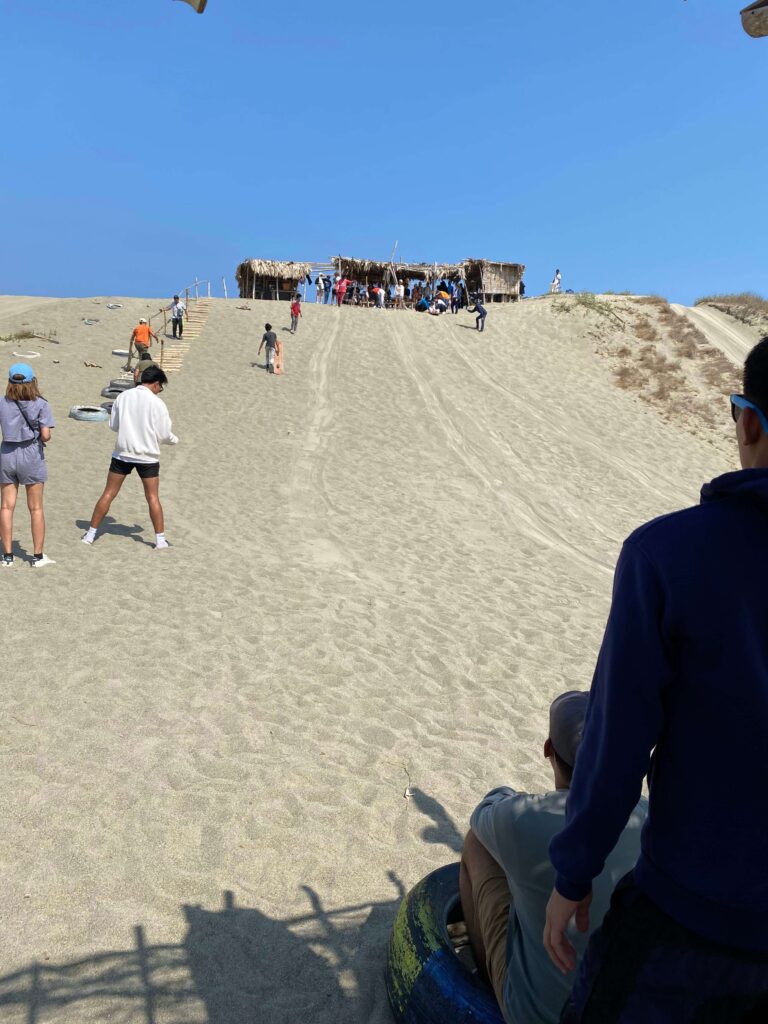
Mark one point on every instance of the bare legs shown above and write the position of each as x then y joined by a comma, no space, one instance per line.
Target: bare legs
114,483
10,493
151,493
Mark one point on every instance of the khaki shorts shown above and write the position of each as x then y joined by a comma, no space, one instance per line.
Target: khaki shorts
492,899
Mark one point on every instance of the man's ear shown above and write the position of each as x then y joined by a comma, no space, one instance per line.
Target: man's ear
548,748
751,430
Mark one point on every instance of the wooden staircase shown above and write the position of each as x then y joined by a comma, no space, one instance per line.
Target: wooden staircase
194,325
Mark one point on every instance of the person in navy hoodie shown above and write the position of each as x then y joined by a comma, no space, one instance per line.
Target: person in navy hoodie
680,694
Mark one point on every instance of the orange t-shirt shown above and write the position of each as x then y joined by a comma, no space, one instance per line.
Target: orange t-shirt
141,334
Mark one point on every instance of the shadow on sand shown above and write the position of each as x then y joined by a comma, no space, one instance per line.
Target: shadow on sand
235,966
110,525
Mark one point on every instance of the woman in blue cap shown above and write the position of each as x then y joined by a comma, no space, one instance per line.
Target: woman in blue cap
25,422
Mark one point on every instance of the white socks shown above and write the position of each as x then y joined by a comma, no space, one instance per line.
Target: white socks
160,541
90,535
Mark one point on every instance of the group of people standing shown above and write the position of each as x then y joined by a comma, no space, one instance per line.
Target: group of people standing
138,416
338,289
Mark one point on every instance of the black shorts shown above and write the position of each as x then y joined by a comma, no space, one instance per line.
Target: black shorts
146,470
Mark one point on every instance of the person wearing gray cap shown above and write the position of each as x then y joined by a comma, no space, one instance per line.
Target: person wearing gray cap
506,877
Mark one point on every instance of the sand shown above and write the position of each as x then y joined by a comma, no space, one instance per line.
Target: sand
385,564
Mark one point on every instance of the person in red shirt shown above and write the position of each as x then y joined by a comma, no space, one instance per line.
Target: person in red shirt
142,337
341,290
295,312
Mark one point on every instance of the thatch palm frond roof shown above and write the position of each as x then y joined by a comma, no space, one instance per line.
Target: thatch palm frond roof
286,270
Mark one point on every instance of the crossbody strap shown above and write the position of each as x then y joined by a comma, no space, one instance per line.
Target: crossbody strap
35,430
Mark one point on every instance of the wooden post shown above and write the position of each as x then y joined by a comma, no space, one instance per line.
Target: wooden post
224,283
186,297
253,281
197,293
162,351
165,323
130,353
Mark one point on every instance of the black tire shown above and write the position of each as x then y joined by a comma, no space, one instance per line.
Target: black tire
122,383
111,392
426,981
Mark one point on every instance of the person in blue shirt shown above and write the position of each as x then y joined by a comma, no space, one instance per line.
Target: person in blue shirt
680,695
482,313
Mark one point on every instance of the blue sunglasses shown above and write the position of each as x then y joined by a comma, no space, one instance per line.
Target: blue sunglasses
740,402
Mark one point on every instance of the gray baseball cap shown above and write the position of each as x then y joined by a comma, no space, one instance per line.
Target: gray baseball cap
566,723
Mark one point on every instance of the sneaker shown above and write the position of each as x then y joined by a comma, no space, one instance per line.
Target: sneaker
86,539
7,562
162,543
38,561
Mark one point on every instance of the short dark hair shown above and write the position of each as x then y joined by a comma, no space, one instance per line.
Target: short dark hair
154,375
267,327
756,375
565,768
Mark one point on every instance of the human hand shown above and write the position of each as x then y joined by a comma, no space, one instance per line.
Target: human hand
559,913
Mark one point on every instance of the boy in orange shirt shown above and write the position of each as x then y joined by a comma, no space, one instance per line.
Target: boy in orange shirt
142,333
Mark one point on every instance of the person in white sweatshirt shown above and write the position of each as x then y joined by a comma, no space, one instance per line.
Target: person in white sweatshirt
141,421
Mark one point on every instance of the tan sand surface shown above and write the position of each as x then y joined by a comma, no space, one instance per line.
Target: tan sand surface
731,337
386,563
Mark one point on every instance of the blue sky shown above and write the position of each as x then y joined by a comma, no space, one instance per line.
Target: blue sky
144,144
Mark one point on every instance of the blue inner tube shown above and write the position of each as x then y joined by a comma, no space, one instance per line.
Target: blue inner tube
426,981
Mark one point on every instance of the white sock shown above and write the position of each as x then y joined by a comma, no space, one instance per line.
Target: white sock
160,541
90,534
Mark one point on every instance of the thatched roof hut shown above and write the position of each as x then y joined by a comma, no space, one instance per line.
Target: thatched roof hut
270,279
370,271
495,281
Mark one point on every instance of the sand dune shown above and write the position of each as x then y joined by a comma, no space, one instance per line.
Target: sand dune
385,565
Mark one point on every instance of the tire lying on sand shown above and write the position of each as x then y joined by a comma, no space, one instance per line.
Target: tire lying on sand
122,352
88,413
122,383
426,981
107,407
111,392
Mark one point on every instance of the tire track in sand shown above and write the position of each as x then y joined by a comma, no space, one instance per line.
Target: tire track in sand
513,506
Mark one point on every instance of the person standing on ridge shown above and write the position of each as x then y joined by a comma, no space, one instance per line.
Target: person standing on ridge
679,696
554,288
140,419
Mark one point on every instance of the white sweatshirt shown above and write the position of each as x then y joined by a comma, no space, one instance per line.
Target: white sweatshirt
142,424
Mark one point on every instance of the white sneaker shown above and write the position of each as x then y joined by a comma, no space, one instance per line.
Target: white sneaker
38,563
162,543
86,539
6,563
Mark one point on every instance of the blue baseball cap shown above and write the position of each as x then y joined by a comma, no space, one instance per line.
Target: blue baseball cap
21,373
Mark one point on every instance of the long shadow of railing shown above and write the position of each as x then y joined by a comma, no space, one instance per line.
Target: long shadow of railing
235,966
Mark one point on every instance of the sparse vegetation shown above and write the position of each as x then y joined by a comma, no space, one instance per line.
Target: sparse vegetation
25,334
750,300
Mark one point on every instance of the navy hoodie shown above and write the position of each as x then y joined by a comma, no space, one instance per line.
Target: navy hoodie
680,692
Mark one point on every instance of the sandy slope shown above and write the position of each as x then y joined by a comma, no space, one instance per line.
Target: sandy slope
386,564
734,339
